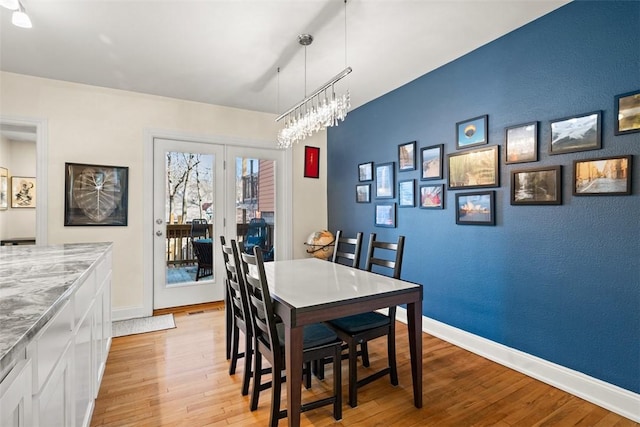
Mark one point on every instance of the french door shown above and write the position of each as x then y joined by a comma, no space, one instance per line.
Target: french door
188,215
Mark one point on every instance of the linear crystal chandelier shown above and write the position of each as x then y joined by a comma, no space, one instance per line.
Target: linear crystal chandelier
317,111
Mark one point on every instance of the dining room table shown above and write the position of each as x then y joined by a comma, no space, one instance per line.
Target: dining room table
312,290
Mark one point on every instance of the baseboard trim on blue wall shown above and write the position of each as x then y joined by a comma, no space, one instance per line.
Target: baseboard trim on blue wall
609,396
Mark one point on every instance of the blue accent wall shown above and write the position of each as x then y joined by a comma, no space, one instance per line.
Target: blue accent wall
561,282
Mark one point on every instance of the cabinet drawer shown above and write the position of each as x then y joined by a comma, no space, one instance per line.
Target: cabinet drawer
45,350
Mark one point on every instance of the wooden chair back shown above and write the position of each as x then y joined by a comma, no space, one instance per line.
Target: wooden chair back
347,249
236,287
392,258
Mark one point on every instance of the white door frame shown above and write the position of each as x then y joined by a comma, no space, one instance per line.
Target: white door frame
42,195
284,190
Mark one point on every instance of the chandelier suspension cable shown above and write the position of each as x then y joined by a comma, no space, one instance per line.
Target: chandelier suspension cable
320,109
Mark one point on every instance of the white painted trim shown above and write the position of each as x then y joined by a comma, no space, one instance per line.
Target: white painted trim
125,313
609,396
42,170
285,188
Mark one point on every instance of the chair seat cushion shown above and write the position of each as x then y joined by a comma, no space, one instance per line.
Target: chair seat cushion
313,335
360,322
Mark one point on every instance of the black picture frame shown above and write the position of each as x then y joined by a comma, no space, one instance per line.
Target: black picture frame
365,172
431,159
95,195
521,143
472,132
476,208
407,193
604,176
385,215
474,168
537,186
407,156
432,196
385,180
576,133
627,113
363,193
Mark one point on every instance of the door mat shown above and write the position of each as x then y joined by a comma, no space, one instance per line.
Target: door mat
141,325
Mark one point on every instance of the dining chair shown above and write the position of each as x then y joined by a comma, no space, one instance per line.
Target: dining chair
347,249
239,306
361,328
228,312
269,342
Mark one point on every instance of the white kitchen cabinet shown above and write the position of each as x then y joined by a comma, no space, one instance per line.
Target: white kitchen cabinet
15,396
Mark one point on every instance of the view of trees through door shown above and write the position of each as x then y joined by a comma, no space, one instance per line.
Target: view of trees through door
189,212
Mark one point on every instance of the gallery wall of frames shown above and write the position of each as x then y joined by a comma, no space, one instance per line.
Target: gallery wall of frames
513,173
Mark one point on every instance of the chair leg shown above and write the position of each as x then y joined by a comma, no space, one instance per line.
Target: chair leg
276,389
234,350
391,355
307,375
364,350
337,383
257,378
248,356
353,374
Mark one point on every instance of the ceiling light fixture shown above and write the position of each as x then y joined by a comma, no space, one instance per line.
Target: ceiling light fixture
9,4
319,110
20,17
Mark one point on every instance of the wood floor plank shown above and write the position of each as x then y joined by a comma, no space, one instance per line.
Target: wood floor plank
179,377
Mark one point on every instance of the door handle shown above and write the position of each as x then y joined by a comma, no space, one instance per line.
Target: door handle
159,233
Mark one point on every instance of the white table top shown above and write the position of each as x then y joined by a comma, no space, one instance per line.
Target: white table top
312,282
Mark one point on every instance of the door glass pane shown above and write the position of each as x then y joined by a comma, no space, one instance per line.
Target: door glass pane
189,211
256,204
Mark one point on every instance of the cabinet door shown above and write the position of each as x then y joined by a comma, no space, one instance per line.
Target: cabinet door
15,396
83,369
53,406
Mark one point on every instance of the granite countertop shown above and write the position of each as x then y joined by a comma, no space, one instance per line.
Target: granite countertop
35,281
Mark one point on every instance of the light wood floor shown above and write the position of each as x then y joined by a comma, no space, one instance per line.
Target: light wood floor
179,377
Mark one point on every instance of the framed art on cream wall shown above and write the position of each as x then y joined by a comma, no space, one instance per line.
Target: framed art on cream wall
4,189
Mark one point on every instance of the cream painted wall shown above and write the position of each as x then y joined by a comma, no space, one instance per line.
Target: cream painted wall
88,124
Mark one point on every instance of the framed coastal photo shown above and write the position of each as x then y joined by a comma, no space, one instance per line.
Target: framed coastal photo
472,132
476,208
474,168
538,186
385,215
95,195
4,189
406,193
365,172
385,180
627,113
363,193
432,196
576,133
521,143
606,176
431,161
23,192
311,162
407,156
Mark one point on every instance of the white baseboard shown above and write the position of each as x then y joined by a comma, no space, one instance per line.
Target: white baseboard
609,396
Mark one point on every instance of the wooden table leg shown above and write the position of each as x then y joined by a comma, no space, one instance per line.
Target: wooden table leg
293,351
414,314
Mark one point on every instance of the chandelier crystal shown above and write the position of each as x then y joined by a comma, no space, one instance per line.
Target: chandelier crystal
316,112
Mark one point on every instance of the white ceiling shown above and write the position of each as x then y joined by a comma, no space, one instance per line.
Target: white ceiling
226,52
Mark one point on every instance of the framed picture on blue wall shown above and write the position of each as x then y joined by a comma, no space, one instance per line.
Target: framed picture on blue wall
576,133
606,176
385,215
474,168
432,196
365,172
407,156
476,208
537,186
385,180
363,193
406,193
472,132
627,108
521,143
431,161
